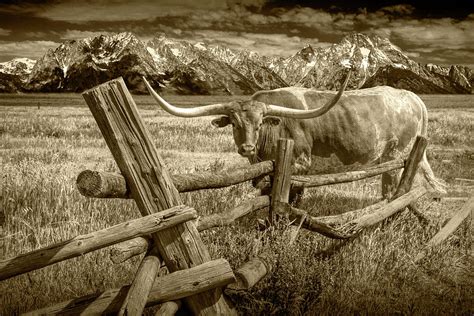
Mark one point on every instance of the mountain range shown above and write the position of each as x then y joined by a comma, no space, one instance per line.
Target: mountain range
180,67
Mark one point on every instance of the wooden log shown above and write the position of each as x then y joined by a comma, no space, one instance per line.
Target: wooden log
212,180
449,228
129,248
113,185
409,172
228,217
282,176
168,308
102,185
251,272
150,185
136,246
83,244
170,287
135,301
340,219
336,228
309,222
355,226
325,179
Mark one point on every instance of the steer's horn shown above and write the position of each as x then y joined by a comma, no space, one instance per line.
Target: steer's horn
276,110
212,109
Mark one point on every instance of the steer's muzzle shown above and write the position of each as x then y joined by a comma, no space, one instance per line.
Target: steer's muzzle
247,150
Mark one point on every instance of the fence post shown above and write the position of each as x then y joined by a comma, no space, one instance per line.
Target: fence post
409,172
150,184
282,176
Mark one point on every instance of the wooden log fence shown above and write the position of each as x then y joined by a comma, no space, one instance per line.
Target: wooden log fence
136,246
169,231
113,185
170,287
151,187
83,244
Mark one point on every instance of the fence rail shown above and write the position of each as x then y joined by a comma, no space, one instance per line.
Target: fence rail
83,244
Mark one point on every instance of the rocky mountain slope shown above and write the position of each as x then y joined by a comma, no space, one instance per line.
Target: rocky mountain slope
77,65
376,62
185,68
14,73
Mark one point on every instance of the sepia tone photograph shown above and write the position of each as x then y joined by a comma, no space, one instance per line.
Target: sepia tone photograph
236,157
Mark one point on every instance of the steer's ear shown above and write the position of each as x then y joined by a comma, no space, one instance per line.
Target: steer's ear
221,121
271,120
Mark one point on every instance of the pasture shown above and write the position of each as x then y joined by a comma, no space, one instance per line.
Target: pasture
46,140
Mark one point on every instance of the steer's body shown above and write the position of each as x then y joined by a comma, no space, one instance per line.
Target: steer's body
357,129
363,126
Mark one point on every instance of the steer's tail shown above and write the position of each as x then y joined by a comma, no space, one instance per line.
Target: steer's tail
438,185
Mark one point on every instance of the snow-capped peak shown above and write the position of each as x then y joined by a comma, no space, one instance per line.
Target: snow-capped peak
18,66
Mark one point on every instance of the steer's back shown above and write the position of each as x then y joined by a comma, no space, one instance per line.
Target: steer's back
358,127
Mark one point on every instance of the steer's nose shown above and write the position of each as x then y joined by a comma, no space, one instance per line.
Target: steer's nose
247,150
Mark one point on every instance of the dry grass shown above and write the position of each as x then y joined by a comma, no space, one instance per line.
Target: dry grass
43,150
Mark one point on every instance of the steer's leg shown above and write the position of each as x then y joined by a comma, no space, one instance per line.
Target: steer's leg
390,179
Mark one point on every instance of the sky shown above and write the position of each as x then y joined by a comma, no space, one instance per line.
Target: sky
440,32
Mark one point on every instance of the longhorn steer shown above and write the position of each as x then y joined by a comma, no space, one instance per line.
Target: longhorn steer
357,126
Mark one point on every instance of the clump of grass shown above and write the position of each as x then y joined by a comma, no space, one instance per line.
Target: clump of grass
452,129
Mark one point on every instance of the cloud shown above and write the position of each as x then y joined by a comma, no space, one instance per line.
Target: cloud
443,33
76,34
264,44
4,32
121,10
398,9
30,49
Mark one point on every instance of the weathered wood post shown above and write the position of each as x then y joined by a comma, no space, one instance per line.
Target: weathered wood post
409,172
150,185
411,166
135,301
282,176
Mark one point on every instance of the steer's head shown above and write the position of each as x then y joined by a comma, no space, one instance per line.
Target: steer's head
246,117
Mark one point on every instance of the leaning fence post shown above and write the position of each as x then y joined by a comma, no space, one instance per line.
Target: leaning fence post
150,185
137,295
282,176
409,172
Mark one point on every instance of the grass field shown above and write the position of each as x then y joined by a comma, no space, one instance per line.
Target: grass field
46,140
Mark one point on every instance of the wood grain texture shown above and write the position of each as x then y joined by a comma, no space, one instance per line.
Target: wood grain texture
129,248
83,244
170,287
168,308
282,176
251,272
136,246
100,184
150,184
325,179
411,166
137,295
228,217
